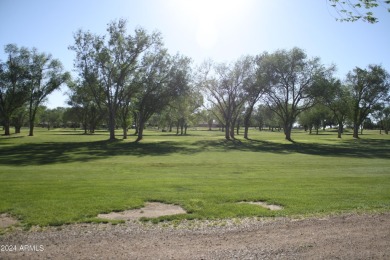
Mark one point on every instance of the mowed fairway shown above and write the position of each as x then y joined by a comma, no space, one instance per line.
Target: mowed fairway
63,176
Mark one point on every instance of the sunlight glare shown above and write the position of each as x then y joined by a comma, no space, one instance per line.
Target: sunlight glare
210,16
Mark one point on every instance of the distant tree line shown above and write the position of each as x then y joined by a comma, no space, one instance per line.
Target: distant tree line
128,81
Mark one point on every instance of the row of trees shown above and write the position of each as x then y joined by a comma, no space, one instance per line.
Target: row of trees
127,80
289,83
364,92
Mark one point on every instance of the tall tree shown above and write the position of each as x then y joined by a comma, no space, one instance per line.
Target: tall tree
223,85
108,65
369,87
13,83
255,87
337,98
291,75
162,79
45,75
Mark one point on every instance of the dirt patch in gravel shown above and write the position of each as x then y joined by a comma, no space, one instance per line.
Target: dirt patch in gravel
350,236
263,204
7,221
151,210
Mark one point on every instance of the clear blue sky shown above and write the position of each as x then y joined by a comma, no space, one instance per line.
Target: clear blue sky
222,30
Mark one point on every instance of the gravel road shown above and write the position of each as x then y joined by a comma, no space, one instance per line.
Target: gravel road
351,236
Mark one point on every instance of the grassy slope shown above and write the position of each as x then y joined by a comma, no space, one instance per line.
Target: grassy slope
62,176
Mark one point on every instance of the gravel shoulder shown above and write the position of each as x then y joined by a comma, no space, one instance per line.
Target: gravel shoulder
351,236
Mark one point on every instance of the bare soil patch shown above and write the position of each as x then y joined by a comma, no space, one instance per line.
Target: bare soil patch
7,221
263,204
151,210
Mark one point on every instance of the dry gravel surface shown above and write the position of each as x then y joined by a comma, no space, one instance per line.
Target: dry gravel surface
352,236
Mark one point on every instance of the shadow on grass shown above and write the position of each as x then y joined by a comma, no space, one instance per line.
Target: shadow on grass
64,152
363,148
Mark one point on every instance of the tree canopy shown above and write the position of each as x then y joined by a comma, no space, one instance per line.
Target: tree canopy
351,11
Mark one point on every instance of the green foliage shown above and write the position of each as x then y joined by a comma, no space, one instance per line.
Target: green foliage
292,76
352,11
13,83
314,117
164,79
107,65
369,88
63,176
26,79
46,74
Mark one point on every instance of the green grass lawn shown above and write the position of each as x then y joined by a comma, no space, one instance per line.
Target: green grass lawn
62,176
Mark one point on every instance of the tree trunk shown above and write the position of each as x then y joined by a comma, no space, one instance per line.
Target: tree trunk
32,114
287,131
340,130
17,129
141,125
246,126
31,131
231,130
356,130
135,115
182,126
356,121
125,132
142,119
111,123
6,127
31,118
246,130
227,129
288,135
125,124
